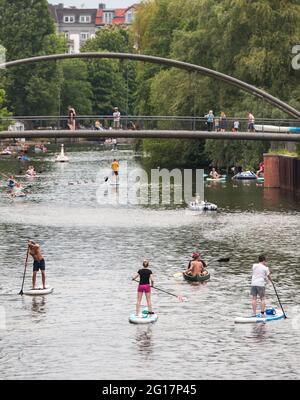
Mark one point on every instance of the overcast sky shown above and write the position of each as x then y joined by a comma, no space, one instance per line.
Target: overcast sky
94,3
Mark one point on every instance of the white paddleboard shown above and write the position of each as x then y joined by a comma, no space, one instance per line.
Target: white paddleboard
38,291
258,318
143,318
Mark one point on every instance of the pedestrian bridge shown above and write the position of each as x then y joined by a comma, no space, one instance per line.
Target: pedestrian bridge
168,62
150,134
158,133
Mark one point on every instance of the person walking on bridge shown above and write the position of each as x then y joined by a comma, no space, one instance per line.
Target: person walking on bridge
210,120
116,118
251,122
71,118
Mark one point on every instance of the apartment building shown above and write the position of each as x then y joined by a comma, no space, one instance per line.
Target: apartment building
80,24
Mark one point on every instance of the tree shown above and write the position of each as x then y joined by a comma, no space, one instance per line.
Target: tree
239,38
113,82
76,89
3,111
27,29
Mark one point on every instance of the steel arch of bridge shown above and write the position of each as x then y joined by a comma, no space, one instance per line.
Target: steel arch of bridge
171,63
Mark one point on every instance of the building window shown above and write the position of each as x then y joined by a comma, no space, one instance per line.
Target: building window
85,19
69,19
129,17
84,35
108,17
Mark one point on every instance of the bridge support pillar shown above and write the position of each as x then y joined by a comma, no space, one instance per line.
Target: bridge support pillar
282,172
271,174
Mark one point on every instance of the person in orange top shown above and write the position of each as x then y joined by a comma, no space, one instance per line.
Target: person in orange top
115,169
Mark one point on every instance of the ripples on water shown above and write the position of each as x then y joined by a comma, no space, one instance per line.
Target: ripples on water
92,250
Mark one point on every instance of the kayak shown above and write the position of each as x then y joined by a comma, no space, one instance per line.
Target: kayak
38,291
17,196
202,206
143,318
272,314
197,278
221,179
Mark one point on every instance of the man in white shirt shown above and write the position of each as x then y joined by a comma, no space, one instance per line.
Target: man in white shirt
251,122
260,276
116,117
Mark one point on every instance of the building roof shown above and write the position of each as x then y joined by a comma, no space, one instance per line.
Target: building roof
119,15
58,12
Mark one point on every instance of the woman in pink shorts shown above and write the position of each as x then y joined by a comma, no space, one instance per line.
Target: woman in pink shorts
146,281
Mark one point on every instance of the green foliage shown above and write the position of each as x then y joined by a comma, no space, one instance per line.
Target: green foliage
76,89
176,153
113,82
240,38
27,29
225,153
3,111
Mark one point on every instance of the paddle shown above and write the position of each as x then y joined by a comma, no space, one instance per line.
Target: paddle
224,259
21,291
284,314
180,298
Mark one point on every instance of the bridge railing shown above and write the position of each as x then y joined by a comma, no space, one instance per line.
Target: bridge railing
192,123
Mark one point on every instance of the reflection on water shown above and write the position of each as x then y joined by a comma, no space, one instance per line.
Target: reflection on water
38,304
81,331
144,340
259,332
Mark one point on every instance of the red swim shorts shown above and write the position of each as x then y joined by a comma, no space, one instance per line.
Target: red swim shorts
144,288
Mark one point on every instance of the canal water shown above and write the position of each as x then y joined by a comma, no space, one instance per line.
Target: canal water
93,248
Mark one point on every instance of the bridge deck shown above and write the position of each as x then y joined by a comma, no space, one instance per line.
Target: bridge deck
155,134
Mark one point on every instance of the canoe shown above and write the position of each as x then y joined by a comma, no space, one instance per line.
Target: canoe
202,206
143,318
38,291
272,314
197,278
